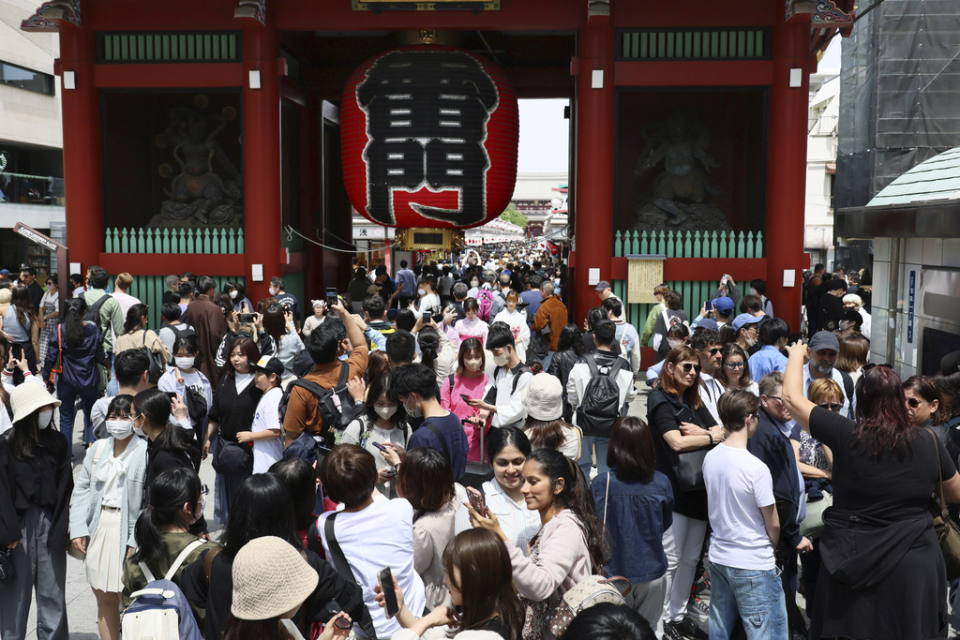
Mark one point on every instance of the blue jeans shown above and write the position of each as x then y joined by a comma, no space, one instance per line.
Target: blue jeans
754,596
586,447
547,360
113,387
67,395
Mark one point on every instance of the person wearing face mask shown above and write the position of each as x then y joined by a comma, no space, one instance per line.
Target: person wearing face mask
472,326
415,387
747,328
76,348
35,486
175,501
287,300
238,295
503,397
106,502
468,380
429,302
186,380
383,422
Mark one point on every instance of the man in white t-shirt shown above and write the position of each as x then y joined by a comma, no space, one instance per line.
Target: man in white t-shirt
348,475
746,529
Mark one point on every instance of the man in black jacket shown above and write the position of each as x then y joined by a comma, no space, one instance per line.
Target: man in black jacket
831,305
771,444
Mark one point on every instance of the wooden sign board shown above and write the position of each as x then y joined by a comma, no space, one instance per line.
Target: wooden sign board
644,273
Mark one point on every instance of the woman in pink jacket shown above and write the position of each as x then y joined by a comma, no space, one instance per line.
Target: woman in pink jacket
567,548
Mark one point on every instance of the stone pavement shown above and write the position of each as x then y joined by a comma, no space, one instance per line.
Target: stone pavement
82,606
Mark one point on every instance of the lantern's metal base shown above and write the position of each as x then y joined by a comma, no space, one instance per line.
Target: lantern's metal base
428,239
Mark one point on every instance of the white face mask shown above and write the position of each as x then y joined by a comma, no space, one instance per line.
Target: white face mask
421,291
753,292
413,412
501,360
750,341
472,364
474,283
674,343
233,295
385,412
184,363
273,291
120,429
45,418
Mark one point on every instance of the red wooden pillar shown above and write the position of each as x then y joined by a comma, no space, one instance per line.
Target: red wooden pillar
261,155
786,162
82,160
595,109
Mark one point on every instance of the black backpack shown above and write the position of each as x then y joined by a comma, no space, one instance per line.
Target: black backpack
600,405
93,312
337,407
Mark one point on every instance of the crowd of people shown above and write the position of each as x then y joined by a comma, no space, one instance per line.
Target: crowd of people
443,452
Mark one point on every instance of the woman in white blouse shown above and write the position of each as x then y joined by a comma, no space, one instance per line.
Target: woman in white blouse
507,450
106,502
518,324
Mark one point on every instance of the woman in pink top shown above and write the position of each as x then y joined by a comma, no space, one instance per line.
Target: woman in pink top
468,380
566,549
472,326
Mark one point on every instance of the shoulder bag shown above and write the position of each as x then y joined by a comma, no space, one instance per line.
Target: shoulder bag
592,590
948,532
343,568
689,465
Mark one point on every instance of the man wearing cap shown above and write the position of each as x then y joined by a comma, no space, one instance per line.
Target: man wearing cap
822,351
853,302
746,327
604,333
831,307
724,307
773,338
266,430
605,291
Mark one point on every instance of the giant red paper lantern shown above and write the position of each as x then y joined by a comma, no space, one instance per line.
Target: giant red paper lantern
429,138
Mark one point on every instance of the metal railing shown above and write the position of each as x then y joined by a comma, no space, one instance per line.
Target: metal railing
22,188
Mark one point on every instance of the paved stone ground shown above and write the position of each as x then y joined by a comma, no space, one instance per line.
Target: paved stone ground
81,605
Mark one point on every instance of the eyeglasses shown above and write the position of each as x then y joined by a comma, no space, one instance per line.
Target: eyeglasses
778,398
734,365
714,352
836,408
687,366
914,403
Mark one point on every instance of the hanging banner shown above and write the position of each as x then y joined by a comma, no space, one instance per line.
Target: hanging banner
429,138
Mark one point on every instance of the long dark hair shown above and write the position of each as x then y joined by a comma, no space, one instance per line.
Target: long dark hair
733,349
262,507
73,310
547,434
575,496
135,316
667,383
632,451
300,479
429,341
882,420
154,405
275,323
165,498
269,629
26,437
468,346
377,387
4,396
571,338
926,387
486,580
20,299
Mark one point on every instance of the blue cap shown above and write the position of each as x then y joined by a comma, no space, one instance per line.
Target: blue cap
723,305
744,319
708,323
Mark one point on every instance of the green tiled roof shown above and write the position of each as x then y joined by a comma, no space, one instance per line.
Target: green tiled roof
936,179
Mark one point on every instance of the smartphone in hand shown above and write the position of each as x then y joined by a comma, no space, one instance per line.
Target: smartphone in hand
465,398
389,594
380,446
476,500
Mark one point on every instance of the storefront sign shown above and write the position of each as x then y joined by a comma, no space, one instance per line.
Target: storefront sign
63,257
429,138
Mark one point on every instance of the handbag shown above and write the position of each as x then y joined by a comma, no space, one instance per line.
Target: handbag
233,459
8,574
948,532
812,524
592,590
689,466
59,368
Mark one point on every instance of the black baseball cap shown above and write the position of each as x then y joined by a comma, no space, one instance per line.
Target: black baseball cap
269,364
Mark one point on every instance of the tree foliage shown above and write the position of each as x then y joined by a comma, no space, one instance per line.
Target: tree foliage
514,216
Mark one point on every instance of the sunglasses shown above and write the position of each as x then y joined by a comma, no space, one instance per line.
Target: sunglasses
714,352
914,403
734,365
687,366
867,367
836,408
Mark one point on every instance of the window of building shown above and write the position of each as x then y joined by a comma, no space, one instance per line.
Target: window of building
14,76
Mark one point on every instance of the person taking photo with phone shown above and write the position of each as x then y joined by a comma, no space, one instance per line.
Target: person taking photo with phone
479,578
